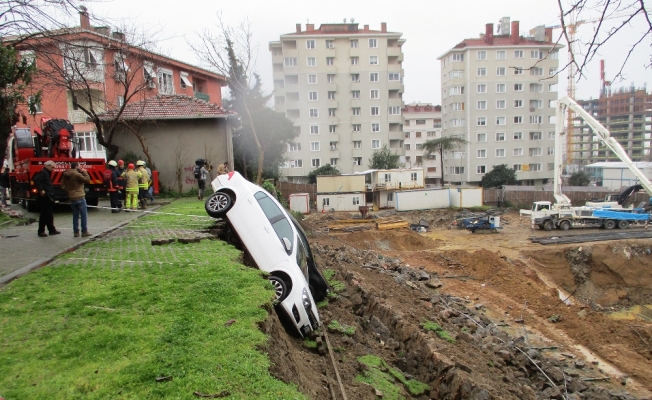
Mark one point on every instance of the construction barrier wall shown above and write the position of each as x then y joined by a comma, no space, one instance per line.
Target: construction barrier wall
466,197
409,200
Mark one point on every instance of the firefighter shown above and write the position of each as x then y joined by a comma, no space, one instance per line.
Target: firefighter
121,183
112,186
131,177
143,183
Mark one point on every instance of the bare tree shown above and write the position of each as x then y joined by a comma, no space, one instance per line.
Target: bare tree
576,12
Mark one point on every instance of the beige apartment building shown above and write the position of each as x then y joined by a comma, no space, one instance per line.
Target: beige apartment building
422,123
342,86
499,93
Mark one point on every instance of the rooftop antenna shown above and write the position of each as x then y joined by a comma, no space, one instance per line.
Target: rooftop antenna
352,20
344,20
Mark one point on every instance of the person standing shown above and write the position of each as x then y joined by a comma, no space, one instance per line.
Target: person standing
143,184
223,169
121,183
4,185
45,199
72,181
112,186
201,182
131,178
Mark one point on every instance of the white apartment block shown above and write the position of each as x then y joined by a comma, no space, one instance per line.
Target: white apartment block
342,87
422,123
499,93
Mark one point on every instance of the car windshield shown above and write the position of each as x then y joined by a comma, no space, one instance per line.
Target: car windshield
276,217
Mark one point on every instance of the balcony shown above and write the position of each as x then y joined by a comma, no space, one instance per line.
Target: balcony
77,116
202,96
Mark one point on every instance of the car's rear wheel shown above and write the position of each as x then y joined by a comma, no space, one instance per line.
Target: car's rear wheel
218,204
280,288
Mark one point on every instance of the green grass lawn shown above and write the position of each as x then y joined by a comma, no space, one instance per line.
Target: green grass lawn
105,321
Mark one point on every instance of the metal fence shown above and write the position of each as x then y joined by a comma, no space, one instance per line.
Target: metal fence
287,188
578,196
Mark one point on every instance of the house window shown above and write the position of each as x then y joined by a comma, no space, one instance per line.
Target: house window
316,162
311,61
554,55
457,57
407,134
518,119
454,107
373,60
500,153
357,144
482,71
375,144
121,101
516,167
375,111
394,76
500,104
373,43
373,77
536,87
185,82
312,79
30,57
457,170
518,135
331,112
518,71
481,169
500,88
500,136
375,127
518,103
312,96
296,163
500,71
326,201
500,121
356,199
355,94
294,146
332,128
481,54
354,43
356,127
536,71
165,81
518,53
374,94
357,160
314,113
330,78
38,106
394,110
535,167
330,44
552,71
290,61
538,54
314,146
457,90
518,87
551,151
536,103
334,161
552,103
552,119
314,129
414,176
551,135
482,153
418,134
331,95
354,60
518,152
481,137
536,119
536,135
310,44
355,110
482,121
330,60
501,55
406,146
552,87
355,77
482,104
482,88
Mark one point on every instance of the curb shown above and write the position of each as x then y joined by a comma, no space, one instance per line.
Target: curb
4,280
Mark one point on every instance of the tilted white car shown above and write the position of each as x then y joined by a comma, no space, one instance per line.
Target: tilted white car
275,242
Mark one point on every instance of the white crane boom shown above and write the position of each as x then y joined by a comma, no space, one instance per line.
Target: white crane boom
602,133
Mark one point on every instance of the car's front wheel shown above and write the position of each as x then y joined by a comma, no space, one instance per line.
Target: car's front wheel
218,204
280,288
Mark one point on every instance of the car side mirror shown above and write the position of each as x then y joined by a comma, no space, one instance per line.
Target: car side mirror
287,244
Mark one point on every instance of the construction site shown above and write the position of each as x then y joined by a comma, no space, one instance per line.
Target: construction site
515,318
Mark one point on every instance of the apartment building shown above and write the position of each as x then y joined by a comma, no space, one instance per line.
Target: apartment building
422,123
626,113
499,93
342,87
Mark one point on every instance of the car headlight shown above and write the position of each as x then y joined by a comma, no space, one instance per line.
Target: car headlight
305,299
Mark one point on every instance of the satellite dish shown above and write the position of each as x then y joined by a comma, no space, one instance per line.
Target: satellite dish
352,20
345,20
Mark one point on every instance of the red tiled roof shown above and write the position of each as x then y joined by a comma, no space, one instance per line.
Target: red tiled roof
169,107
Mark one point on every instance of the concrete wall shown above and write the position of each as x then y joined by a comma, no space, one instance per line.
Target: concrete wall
340,183
174,145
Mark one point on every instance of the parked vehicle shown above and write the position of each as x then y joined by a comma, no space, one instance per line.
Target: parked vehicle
275,242
26,154
589,217
486,224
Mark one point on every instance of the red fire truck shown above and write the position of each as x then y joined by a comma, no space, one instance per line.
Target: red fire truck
54,140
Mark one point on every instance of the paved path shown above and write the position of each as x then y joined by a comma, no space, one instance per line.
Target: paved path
21,250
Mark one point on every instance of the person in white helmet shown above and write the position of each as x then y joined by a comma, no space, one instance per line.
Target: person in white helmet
112,185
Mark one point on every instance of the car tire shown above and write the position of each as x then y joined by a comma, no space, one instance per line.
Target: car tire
547,226
622,224
564,225
218,204
92,201
280,288
609,224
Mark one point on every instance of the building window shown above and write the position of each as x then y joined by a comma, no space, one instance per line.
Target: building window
373,43
373,60
536,103
334,161
296,163
482,72
316,162
457,170
454,107
518,152
552,87
355,94
552,71
500,136
355,60
355,111
500,153
311,61
537,71
330,44
481,137
481,54
500,88
500,120
536,135
332,128
356,199
536,119
331,112
406,146
457,90
375,144
535,167
516,167
394,110
501,55
312,79
357,144
552,103
38,106
518,53
457,57
356,127
331,95
354,43
518,135
374,94
355,77
552,119
406,134
294,147
314,146
518,103
314,129
518,71
518,87
290,61
312,96
375,111
536,87
537,54
482,153
394,76
373,77
314,113
551,151
481,169
482,88
375,127
554,55
482,104
165,81
330,60
518,119
500,71
330,78
357,160
551,135
121,101
482,121
500,104
310,44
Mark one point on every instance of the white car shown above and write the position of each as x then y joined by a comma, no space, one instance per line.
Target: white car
275,242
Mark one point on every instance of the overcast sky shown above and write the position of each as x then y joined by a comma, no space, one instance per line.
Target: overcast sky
430,28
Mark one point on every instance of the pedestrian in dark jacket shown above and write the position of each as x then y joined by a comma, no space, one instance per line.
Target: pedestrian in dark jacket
113,187
4,185
121,183
73,181
45,199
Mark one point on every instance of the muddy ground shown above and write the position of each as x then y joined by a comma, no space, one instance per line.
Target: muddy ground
524,320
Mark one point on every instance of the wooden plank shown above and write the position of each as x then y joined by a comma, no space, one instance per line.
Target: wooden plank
352,221
391,225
